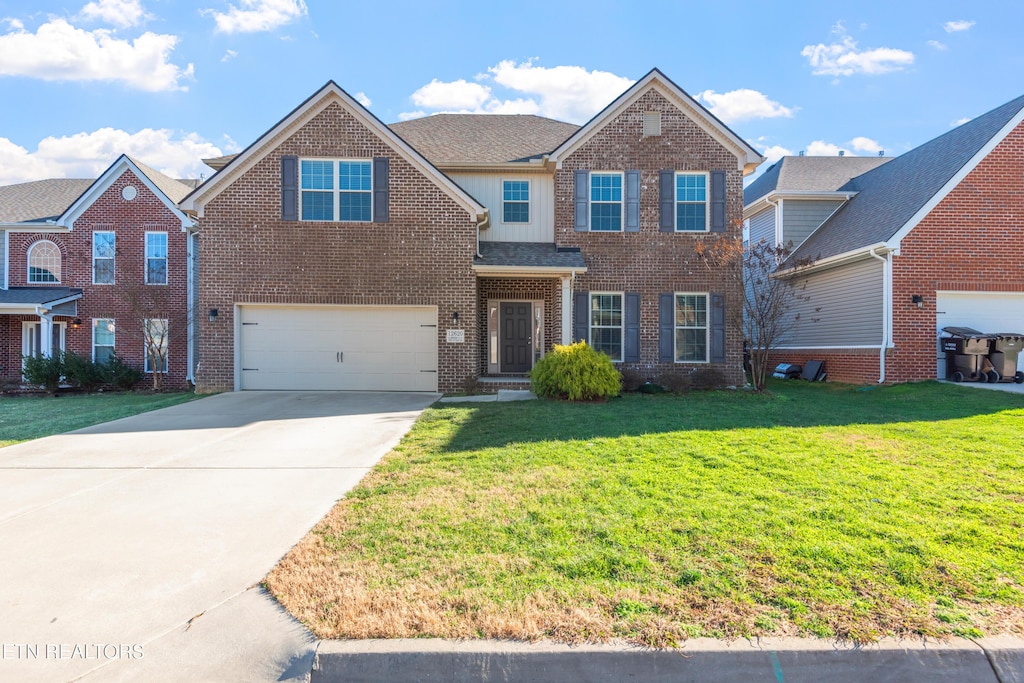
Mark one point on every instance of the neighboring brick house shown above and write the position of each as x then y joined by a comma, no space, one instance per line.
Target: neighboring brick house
340,253
901,248
83,261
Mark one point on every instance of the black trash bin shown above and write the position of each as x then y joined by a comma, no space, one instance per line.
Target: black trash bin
967,352
1006,347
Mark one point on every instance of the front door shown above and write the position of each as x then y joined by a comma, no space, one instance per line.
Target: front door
31,338
515,323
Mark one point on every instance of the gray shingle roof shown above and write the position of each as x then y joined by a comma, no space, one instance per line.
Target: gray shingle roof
40,199
891,194
810,174
174,189
528,254
36,295
483,138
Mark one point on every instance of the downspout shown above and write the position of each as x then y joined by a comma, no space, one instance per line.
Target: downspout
190,294
481,226
778,220
886,312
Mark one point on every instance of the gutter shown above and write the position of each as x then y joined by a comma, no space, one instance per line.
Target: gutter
886,311
482,225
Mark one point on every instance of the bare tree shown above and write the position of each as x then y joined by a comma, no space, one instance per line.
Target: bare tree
768,298
154,318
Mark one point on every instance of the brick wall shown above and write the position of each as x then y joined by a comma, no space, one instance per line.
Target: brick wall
423,256
855,366
129,220
652,262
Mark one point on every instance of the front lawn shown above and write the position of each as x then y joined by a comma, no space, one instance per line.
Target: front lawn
826,510
31,417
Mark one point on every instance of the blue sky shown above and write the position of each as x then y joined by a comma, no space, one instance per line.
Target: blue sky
170,81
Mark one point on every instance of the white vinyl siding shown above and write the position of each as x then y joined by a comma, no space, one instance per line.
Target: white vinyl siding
487,189
802,217
839,307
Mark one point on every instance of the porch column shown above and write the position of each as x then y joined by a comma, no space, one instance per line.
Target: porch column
45,335
566,310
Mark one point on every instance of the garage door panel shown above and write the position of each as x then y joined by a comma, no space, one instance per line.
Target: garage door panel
382,348
988,312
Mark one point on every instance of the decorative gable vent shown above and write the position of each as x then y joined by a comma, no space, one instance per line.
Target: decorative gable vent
652,123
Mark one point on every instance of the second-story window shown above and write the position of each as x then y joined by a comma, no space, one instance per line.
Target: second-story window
43,263
336,190
691,202
515,201
606,202
103,249
156,258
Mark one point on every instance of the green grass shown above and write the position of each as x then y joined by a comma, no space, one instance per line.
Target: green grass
30,417
824,510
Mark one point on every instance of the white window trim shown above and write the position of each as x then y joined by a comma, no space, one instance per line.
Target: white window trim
113,259
60,331
707,328
621,202
146,258
622,325
145,348
529,200
336,192
113,346
707,201
28,263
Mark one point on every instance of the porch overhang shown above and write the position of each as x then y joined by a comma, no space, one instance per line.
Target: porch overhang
39,301
528,260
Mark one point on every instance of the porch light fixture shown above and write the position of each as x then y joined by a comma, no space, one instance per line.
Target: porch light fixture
76,323
213,315
455,316
917,299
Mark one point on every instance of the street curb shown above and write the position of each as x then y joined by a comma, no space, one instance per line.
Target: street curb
772,660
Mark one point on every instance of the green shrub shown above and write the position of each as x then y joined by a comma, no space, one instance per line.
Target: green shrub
576,372
44,371
82,372
631,380
118,373
706,379
675,381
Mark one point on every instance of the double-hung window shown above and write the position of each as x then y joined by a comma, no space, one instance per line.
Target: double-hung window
606,322
156,258
102,339
515,201
156,342
336,190
606,202
103,248
43,263
691,327
691,202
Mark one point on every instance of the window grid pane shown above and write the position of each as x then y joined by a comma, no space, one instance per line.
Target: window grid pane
317,175
354,206
691,202
690,217
354,176
318,206
156,334
102,339
516,212
516,191
103,250
605,202
691,328
44,263
606,324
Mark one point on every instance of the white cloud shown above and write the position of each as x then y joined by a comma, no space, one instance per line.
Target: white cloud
776,152
820,148
861,144
254,16
569,93
960,121
959,25
362,99
844,59
120,13
58,51
86,155
229,55
743,105
865,145
938,45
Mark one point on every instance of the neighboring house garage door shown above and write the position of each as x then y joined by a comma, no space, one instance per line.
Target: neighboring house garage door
331,348
988,312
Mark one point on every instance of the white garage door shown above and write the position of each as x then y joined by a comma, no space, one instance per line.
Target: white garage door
332,348
988,312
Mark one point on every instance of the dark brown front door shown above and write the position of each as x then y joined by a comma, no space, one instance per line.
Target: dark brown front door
515,325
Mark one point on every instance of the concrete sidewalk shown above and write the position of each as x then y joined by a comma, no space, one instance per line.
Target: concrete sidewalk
704,660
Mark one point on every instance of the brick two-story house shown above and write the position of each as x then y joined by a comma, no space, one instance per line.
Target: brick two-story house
341,253
85,264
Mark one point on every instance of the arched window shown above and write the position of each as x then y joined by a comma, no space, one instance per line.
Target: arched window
43,263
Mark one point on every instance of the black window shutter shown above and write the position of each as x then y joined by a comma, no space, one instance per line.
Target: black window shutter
289,188
581,317
666,327
667,201
381,192
632,201
718,201
632,354
581,201
717,328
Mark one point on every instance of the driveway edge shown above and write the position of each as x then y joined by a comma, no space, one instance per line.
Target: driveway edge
773,660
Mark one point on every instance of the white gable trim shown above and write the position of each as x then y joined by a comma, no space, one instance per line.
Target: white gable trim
894,241
96,190
305,112
746,155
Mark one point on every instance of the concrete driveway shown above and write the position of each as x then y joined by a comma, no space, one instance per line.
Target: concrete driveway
131,550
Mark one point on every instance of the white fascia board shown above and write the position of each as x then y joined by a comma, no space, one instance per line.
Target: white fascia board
764,201
42,226
894,241
502,167
268,142
858,254
115,171
526,271
747,158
